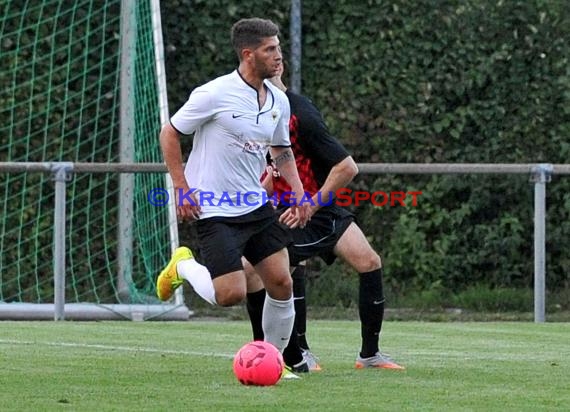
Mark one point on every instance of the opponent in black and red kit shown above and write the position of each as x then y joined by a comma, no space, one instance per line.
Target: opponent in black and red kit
324,166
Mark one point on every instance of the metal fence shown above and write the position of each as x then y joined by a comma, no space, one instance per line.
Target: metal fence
540,174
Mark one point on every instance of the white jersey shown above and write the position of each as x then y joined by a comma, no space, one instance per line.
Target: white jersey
232,135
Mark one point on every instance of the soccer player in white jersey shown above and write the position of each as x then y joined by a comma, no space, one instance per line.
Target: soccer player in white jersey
235,120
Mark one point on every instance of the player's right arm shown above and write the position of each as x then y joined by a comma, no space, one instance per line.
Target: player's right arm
340,175
170,145
196,111
328,150
172,153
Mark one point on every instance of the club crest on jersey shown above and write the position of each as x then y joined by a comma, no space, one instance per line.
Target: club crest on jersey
274,115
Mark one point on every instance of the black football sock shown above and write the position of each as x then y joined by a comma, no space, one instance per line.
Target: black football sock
371,311
302,339
254,304
299,275
292,355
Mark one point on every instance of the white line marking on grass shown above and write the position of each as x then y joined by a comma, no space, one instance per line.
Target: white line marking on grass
116,348
477,354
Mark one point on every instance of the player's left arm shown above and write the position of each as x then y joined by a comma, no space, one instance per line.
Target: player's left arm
284,161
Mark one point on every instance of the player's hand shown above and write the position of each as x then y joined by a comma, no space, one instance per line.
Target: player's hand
296,216
301,208
187,209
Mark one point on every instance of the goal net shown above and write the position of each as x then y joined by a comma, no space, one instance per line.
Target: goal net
62,73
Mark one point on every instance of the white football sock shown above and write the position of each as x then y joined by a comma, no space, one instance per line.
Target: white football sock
199,277
277,321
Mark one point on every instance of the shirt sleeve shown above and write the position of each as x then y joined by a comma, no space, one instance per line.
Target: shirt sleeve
197,110
317,139
281,134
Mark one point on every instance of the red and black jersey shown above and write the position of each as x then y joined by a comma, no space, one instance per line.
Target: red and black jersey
316,150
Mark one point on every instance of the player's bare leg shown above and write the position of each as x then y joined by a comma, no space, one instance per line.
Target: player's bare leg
230,288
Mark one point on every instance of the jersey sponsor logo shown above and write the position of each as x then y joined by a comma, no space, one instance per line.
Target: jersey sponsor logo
248,145
235,116
253,147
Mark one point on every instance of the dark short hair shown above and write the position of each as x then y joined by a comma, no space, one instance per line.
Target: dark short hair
249,33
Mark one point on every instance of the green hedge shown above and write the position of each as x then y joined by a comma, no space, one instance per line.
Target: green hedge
425,81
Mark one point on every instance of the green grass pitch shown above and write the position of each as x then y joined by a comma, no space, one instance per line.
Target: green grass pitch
187,366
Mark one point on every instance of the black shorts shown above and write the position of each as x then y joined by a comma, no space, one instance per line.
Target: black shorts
220,242
320,236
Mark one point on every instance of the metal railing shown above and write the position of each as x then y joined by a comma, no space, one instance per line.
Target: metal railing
540,174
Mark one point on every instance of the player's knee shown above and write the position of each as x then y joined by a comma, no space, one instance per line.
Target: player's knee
370,262
230,297
284,283
280,288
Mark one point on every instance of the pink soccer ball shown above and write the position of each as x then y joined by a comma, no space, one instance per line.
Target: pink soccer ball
258,363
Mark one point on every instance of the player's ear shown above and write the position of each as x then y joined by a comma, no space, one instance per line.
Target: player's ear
247,54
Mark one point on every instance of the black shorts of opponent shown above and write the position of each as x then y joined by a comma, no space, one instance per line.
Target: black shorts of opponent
320,235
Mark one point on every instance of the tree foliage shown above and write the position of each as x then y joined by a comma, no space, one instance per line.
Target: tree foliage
476,81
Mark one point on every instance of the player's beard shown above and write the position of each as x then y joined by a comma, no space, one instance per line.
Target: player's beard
266,70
